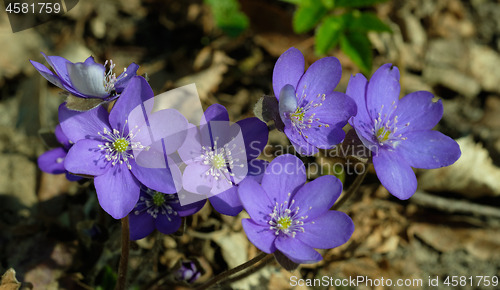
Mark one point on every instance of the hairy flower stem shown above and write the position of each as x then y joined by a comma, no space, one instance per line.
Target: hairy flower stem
123,267
352,189
249,272
223,276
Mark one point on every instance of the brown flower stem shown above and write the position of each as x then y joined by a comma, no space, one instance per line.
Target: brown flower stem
249,272
123,266
222,276
352,189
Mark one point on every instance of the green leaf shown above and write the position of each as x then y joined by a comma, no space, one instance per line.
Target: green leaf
364,22
328,34
80,104
107,279
357,3
228,16
335,169
307,15
357,46
328,4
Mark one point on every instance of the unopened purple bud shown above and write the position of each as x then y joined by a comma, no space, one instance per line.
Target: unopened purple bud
188,272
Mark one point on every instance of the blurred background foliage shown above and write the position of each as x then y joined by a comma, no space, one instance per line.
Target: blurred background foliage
335,22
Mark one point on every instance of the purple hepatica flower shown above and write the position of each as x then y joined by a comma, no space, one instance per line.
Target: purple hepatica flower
188,271
292,217
156,210
52,161
398,132
313,114
105,145
86,79
220,155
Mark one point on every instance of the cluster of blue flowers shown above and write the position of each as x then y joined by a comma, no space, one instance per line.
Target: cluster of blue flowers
287,215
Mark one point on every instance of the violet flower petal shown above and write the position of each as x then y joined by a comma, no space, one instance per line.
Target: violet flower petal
259,235
123,79
256,200
83,125
428,149
72,177
90,61
194,179
190,209
283,176
298,142
324,137
332,229
215,112
256,169
158,178
227,202
135,94
288,69
117,190
47,74
336,109
52,161
297,251
356,89
61,137
364,132
155,129
255,134
395,174
168,224
317,196
59,64
191,148
141,225
224,133
85,157
383,90
419,111
320,78
221,185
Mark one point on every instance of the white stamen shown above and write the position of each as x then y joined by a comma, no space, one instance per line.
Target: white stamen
286,220
221,161
117,148
110,78
148,205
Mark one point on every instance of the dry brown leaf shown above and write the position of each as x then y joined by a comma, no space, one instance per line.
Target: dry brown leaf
473,175
484,244
208,80
440,237
234,247
9,281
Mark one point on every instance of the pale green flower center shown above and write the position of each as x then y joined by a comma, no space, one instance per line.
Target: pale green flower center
284,222
304,116
121,145
219,161
383,134
285,219
298,114
158,198
117,146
